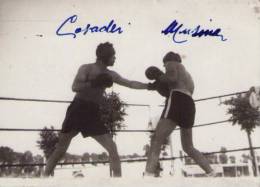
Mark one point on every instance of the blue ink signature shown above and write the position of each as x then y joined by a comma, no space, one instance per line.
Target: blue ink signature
111,27
177,29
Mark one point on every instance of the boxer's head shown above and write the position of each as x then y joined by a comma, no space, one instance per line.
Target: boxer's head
106,53
171,57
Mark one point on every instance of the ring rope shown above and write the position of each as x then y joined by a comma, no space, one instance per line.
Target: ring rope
127,160
36,130
146,105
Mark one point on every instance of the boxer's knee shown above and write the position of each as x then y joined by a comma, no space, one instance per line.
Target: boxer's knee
61,147
156,139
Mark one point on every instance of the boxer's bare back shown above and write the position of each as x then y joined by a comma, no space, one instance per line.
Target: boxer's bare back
179,78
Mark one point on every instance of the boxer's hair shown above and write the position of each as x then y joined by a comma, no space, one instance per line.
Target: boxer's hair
104,51
171,56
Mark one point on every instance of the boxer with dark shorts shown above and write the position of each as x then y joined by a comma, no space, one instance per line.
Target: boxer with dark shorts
179,111
83,114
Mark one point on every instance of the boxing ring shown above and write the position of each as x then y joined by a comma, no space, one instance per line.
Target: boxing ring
165,180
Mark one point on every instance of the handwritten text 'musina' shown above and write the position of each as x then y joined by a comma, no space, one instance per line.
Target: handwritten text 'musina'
177,29
110,27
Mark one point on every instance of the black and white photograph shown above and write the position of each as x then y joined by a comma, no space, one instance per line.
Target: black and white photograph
130,93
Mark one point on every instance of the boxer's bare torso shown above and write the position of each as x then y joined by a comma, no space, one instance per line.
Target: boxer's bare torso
179,79
87,72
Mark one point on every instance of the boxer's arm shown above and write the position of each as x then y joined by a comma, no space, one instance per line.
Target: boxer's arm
80,82
128,83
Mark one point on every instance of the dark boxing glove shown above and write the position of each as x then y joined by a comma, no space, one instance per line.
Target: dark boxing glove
161,87
152,86
153,73
102,80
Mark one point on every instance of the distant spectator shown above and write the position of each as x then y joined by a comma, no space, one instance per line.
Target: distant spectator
254,96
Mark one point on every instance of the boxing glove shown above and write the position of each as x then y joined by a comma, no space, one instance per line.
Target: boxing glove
161,87
153,73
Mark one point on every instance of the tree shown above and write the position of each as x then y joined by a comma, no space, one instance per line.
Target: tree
27,158
6,157
223,158
47,141
86,157
232,159
103,156
245,158
134,155
113,112
71,158
18,157
38,159
67,157
17,171
165,153
246,116
94,157
213,158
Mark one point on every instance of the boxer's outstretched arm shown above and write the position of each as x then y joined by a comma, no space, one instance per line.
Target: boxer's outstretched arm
128,83
80,82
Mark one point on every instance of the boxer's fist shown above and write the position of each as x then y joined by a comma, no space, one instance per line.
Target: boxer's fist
161,87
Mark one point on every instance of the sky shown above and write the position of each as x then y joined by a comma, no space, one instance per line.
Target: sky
36,63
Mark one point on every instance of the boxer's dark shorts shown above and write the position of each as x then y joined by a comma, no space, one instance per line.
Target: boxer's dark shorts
85,117
180,108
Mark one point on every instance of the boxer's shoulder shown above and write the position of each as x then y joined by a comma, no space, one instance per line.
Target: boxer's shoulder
113,74
85,67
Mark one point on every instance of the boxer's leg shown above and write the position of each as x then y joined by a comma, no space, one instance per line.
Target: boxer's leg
107,142
163,130
60,149
198,157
